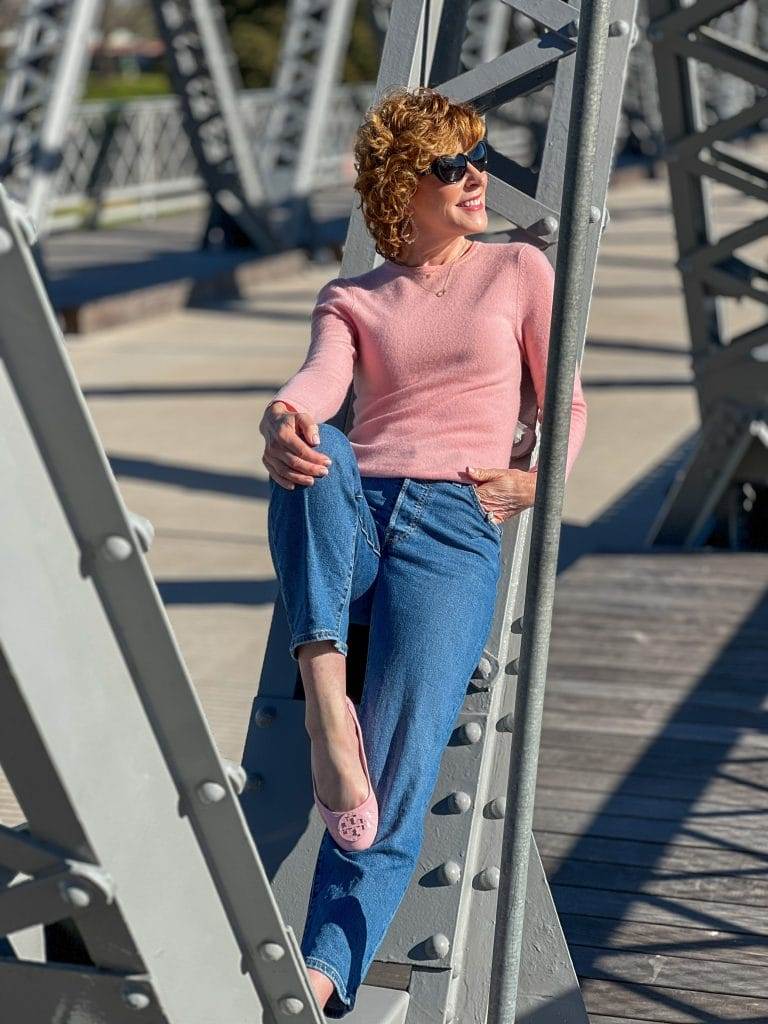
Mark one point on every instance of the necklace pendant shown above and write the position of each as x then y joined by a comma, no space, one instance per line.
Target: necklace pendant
441,292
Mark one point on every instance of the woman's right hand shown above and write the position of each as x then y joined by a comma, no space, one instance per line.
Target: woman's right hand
289,459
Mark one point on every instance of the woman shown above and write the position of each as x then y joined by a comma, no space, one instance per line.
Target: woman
398,524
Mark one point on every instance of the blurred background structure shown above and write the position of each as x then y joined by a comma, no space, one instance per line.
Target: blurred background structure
192,182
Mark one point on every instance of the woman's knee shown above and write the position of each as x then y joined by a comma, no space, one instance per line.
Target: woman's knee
333,442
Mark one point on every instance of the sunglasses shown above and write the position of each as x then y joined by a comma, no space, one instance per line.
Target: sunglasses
451,169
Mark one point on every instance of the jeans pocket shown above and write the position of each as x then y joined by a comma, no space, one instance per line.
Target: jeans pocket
487,516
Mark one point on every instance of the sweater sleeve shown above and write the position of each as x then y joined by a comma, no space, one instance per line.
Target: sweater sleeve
321,383
535,290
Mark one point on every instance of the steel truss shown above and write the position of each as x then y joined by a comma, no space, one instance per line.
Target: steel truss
135,853
713,494
45,81
440,945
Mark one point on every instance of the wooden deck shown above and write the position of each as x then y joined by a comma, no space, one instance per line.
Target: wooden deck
652,800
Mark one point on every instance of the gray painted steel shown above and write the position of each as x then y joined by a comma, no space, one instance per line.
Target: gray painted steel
444,933
567,340
46,79
134,827
314,45
731,373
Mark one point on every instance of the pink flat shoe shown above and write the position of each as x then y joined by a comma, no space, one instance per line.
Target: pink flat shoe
354,829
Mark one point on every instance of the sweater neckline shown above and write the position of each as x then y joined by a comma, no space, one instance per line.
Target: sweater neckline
425,271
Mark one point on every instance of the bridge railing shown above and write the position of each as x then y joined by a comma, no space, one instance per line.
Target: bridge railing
133,159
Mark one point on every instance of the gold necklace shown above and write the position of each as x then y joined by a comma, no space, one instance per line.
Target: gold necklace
445,282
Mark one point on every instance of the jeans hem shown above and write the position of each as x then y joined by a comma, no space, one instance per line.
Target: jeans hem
340,995
320,634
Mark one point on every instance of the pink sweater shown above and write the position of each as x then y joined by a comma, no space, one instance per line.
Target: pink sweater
436,379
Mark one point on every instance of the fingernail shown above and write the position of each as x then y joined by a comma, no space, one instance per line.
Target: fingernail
315,439
323,471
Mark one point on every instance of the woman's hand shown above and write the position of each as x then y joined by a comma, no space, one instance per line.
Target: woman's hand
288,458
503,492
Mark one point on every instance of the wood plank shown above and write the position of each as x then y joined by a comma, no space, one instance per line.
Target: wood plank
703,754
615,826
688,731
717,863
704,944
651,798
686,813
720,792
672,1006
669,972
623,754
719,673
609,707
671,885
705,914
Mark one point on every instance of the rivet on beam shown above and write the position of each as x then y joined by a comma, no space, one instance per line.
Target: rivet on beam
211,792
136,1000
271,951
497,807
75,895
264,717
116,548
437,946
470,732
459,802
290,1005
449,873
488,878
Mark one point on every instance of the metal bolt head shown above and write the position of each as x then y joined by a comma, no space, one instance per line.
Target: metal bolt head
116,548
618,28
75,895
488,878
497,807
236,775
460,802
290,1005
211,792
6,241
449,873
271,951
595,216
254,781
264,717
136,999
470,732
484,668
437,946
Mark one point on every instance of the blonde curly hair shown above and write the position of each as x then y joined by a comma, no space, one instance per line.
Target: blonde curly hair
400,136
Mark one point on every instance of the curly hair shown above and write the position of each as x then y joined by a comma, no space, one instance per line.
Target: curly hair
400,136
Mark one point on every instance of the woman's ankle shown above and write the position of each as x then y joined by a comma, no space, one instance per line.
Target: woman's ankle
321,985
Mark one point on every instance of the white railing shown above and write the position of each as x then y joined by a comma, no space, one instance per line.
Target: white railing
132,159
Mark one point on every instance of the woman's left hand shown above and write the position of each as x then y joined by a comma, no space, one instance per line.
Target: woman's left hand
503,492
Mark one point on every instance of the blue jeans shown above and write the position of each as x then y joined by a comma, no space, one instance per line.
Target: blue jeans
419,562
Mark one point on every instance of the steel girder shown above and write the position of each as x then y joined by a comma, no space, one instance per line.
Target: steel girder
440,943
314,45
45,80
135,854
730,373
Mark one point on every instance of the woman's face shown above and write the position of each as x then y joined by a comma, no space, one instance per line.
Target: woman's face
437,210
